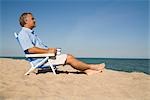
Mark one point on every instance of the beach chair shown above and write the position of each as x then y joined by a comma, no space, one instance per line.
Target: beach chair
46,60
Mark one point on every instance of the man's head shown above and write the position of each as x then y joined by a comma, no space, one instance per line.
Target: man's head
27,20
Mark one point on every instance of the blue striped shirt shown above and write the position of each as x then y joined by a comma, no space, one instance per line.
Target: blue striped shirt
28,39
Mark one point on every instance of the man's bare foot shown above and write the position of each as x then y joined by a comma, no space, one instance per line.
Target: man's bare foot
91,72
101,66
98,67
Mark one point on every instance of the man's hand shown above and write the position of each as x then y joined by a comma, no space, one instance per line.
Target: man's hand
52,50
41,50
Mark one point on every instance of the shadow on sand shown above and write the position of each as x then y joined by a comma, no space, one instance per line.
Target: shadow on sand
46,70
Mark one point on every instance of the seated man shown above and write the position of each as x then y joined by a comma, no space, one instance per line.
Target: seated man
32,44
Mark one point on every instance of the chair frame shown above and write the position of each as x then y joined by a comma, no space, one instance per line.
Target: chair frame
46,56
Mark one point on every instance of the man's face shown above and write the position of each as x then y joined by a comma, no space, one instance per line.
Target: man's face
30,21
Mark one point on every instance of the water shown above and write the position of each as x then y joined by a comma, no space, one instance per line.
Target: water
119,64
127,65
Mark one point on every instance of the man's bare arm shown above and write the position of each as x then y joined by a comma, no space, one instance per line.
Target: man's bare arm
41,50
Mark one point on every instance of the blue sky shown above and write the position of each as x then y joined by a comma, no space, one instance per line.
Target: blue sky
92,28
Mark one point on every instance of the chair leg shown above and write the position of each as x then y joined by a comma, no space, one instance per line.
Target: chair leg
52,67
33,68
30,70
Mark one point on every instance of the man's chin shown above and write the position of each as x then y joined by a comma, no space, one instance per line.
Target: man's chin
33,27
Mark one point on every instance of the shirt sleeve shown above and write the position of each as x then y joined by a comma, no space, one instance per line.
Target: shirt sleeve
25,41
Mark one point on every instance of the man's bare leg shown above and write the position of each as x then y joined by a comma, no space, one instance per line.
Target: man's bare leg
87,68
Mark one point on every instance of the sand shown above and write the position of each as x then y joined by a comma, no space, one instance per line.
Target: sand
70,84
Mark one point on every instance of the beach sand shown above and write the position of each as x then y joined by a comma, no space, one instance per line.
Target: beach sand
70,84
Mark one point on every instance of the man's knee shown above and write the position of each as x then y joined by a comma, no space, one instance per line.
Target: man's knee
69,58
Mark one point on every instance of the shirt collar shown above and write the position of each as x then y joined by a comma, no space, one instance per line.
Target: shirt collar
27,29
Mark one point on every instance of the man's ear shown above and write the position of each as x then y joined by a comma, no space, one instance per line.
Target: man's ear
25,20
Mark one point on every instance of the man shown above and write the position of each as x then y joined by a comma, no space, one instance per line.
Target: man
32,44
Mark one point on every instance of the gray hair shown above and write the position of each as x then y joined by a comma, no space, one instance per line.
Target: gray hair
23,17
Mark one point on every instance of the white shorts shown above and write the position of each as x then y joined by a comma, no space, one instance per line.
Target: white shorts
59,59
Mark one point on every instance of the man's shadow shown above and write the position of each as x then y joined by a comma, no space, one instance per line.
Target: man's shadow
46,70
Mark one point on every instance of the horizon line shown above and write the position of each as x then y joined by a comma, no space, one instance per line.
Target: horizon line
88,57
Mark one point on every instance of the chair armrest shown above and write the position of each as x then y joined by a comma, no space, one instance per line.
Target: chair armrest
40,55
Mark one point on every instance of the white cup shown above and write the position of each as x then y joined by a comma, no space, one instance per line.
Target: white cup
58,51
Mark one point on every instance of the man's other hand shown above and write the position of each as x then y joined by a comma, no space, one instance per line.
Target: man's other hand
52,50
